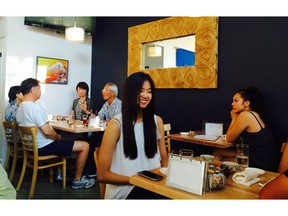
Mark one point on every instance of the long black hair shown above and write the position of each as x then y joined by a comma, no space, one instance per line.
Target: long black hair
130,108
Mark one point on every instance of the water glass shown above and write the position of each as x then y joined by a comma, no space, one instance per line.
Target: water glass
186,153
242,155
71,120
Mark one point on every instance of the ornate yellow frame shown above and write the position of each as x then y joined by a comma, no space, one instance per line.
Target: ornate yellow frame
202,75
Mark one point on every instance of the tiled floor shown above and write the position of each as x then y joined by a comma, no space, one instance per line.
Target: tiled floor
45,190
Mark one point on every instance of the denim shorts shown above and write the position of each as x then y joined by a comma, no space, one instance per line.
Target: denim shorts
57,147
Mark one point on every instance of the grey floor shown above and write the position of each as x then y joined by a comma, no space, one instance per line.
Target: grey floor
45,190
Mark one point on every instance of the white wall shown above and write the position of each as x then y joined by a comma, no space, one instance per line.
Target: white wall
23,45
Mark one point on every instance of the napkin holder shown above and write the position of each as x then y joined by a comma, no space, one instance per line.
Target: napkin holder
94,121
213,129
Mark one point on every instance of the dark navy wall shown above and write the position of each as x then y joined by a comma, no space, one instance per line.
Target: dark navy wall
252,51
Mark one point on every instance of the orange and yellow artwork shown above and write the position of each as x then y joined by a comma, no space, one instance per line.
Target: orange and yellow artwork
51,70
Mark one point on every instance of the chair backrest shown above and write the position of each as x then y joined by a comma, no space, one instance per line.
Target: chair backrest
14,148
29,141
102,186
167,129
283,165
10,129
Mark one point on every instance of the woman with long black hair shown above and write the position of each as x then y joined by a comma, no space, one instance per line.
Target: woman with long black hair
133,141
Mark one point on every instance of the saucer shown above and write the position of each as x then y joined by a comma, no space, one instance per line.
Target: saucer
259,171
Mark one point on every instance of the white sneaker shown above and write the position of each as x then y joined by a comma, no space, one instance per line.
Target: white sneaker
83,183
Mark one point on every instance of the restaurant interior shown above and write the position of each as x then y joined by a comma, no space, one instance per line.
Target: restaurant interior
251,51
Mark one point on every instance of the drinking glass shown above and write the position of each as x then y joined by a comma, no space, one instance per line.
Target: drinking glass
186,153
71,120
242,155
85,120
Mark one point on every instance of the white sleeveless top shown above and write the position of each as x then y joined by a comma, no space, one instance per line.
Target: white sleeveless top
124,166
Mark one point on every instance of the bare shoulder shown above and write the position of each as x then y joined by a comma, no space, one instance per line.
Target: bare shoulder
245,115
159,120
113,124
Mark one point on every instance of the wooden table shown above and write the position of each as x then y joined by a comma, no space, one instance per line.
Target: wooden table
219,143
75,128
231,190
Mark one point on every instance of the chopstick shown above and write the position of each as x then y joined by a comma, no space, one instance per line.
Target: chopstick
263,184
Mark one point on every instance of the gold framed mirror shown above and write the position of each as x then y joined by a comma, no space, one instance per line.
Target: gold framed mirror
202,75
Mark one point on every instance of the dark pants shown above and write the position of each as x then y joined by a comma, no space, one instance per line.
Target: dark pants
140,193
94,141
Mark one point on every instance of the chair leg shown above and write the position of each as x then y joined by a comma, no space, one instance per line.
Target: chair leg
64,173
51,174
7,157
22,172
33,183
12,171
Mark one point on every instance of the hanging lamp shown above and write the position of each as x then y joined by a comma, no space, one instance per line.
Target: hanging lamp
154,51
75,34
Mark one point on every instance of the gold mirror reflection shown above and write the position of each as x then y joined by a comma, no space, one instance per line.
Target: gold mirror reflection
203,74
170,53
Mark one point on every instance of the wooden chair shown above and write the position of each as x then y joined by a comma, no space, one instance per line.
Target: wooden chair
167,129
31,159
102,186
283,165
13,149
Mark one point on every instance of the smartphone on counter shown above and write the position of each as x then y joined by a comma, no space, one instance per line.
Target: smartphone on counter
150,175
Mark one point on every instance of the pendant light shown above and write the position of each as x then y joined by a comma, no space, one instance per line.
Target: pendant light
154,51
75,34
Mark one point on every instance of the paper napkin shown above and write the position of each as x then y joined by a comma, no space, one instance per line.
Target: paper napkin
247,177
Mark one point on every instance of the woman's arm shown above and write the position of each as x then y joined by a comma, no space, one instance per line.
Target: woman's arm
109,141
161,143
238,124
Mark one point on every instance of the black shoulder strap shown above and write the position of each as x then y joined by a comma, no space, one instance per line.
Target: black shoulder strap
256,119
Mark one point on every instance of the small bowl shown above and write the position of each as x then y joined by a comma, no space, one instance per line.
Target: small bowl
233,166
207,157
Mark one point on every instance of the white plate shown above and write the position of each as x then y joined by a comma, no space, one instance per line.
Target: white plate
260,171
163,170
184,133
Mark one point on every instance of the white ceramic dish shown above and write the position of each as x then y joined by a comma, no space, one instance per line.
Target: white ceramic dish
260,171
184,133
233,166
163,170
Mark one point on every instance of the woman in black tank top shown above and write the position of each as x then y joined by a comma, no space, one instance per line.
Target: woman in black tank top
248,124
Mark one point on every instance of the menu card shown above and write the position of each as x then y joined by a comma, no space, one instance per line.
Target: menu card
186,174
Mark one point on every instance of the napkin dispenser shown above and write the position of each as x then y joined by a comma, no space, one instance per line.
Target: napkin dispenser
213,129
94,121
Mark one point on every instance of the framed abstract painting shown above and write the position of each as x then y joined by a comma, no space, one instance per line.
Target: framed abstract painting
52,70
